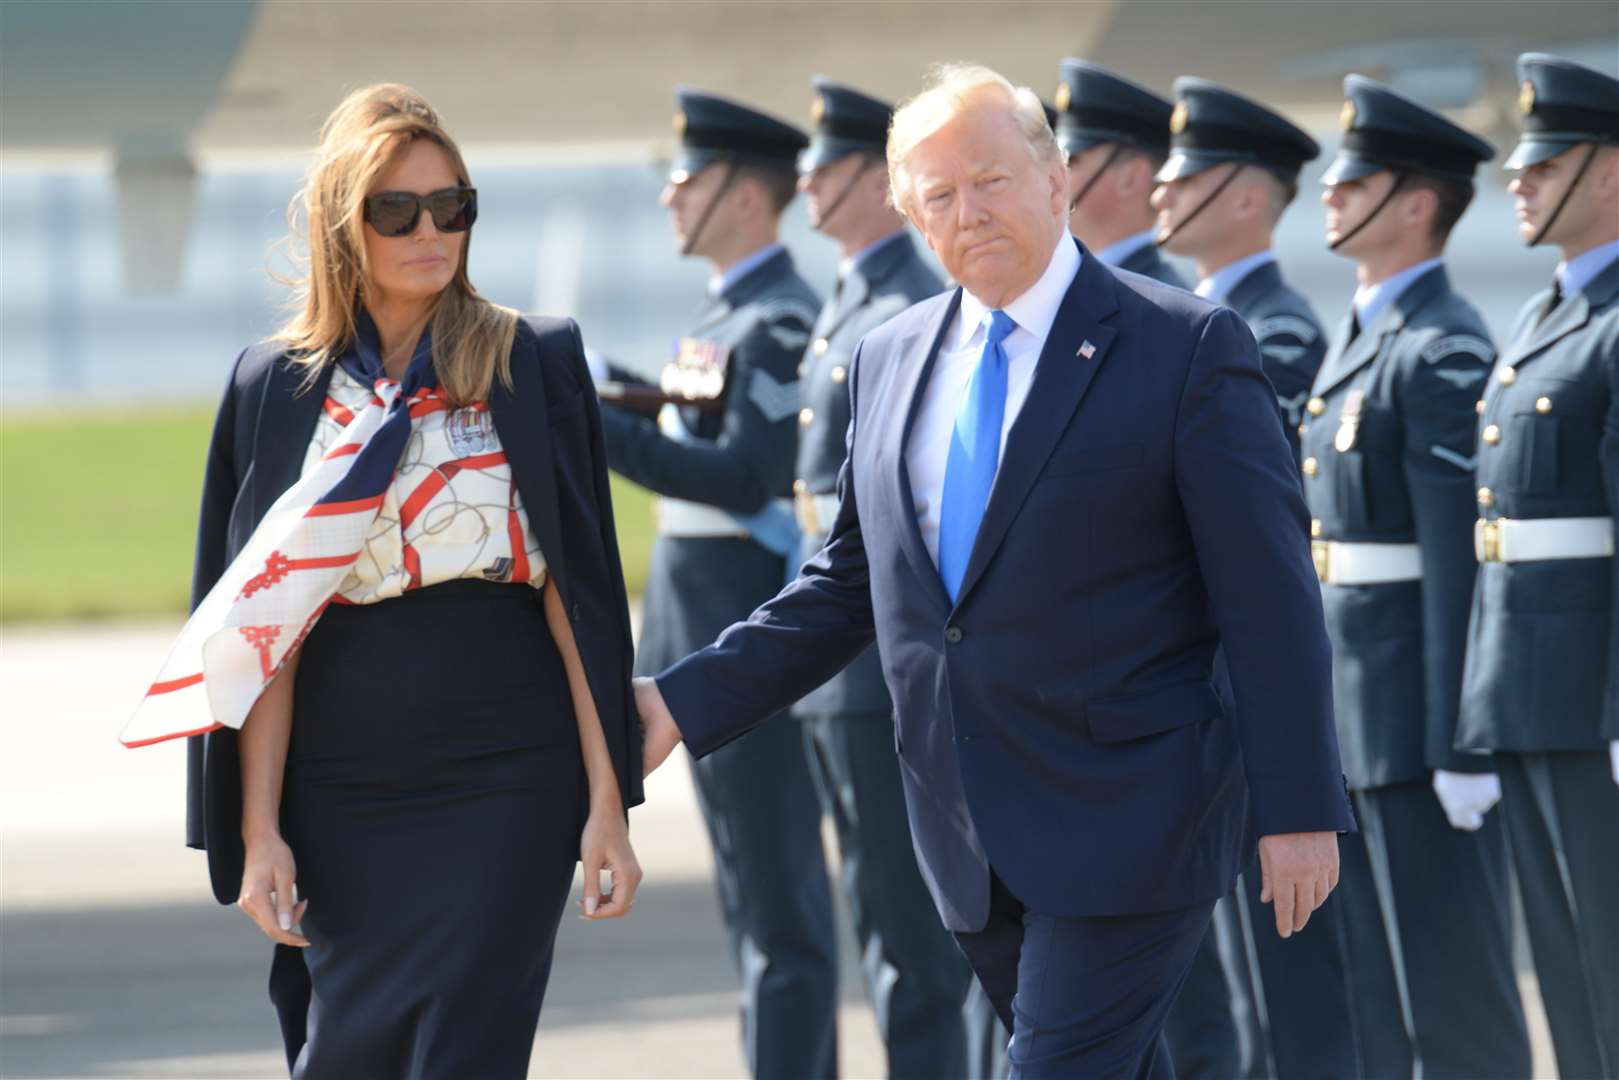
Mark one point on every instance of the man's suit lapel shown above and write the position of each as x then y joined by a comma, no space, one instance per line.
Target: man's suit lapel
1074,350
522,421
919,354
286,422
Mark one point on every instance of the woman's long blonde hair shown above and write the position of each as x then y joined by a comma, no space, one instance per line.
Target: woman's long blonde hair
363,138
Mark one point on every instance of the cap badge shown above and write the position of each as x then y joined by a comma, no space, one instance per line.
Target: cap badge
1063,98
818,108
1526,98
680,121
1346,117
1177,119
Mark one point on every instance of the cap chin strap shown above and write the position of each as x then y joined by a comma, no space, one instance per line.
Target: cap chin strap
1107,163
848,188
1164,237
708,211
1540,233
1394,189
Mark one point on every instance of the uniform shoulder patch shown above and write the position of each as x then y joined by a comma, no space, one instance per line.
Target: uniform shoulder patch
1285,353
1462,377
1458,344
1296,325
787,320
777,400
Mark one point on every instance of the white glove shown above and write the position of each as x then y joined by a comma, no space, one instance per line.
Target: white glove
597,363
1466,797
1613,755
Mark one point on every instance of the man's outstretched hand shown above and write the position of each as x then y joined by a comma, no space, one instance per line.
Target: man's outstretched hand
659,734
1298,871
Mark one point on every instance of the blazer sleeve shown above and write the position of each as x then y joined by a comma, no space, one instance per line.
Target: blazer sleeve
793,643
1442,378
629,762
221,481
1240,494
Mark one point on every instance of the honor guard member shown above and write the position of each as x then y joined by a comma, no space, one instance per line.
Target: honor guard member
1542,684
1233,169
1388,443
725,533
1116,136
915,974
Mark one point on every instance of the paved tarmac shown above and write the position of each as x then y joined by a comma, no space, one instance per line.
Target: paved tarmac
115,961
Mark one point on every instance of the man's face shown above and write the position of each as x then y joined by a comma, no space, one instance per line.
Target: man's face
990,212
824,186
1098,203
1539,188
1348,203
1177,200
688,200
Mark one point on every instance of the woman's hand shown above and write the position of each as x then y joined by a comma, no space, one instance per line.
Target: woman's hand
268,890
605,845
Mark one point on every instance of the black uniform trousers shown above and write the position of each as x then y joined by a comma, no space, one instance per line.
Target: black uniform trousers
915,976
1427,913
764,818
1561,812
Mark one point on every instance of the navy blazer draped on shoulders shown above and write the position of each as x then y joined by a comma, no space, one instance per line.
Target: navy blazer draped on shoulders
550,429
1064,722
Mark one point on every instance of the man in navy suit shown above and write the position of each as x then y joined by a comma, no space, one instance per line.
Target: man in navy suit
1066,489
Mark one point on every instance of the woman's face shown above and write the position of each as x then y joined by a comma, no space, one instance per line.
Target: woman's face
420,264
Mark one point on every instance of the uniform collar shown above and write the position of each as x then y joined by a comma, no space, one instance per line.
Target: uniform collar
720,284
1036,309
1115,254
1370,300
859,259
1575,274
1218,285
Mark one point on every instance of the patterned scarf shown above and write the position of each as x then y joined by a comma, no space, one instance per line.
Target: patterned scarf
274,591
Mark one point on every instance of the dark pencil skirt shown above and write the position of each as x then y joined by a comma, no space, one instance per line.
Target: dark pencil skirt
434,799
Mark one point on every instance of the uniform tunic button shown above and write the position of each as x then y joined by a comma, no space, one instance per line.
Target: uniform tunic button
839,374
1315,528
1478,406
806,417
1543,405
800,369
799,486
1311,466
1491,435
1486,497
952,635
820,346
1508,376
1302,429
1315,406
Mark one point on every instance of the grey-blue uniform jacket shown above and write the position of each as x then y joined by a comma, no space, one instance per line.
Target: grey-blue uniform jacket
1541,660
882,285
1148,260
720,466
1291,340
1403,475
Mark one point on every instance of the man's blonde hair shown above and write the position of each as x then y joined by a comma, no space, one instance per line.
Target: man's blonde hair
952,89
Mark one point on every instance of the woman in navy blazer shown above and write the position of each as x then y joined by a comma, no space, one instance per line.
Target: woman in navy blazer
438,761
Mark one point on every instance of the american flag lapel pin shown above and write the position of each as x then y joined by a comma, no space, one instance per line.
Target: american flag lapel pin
1087,350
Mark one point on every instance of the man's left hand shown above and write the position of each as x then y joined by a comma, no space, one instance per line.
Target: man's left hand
1298,872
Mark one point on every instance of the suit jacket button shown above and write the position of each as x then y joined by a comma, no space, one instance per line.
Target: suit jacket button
952,635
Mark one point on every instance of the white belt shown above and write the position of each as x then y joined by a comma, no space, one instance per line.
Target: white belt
677,517
1340,563
1507,540
816,513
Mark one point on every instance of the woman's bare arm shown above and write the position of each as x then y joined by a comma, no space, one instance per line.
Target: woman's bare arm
605,843
269,872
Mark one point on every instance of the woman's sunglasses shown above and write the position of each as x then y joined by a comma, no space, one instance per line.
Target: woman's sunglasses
395,213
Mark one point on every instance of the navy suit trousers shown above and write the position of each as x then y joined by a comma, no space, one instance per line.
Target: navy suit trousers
1085,996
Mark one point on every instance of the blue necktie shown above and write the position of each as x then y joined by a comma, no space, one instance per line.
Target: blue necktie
975,450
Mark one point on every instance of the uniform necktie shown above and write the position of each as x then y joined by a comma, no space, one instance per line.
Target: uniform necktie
1551,301
975,447
1354,325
